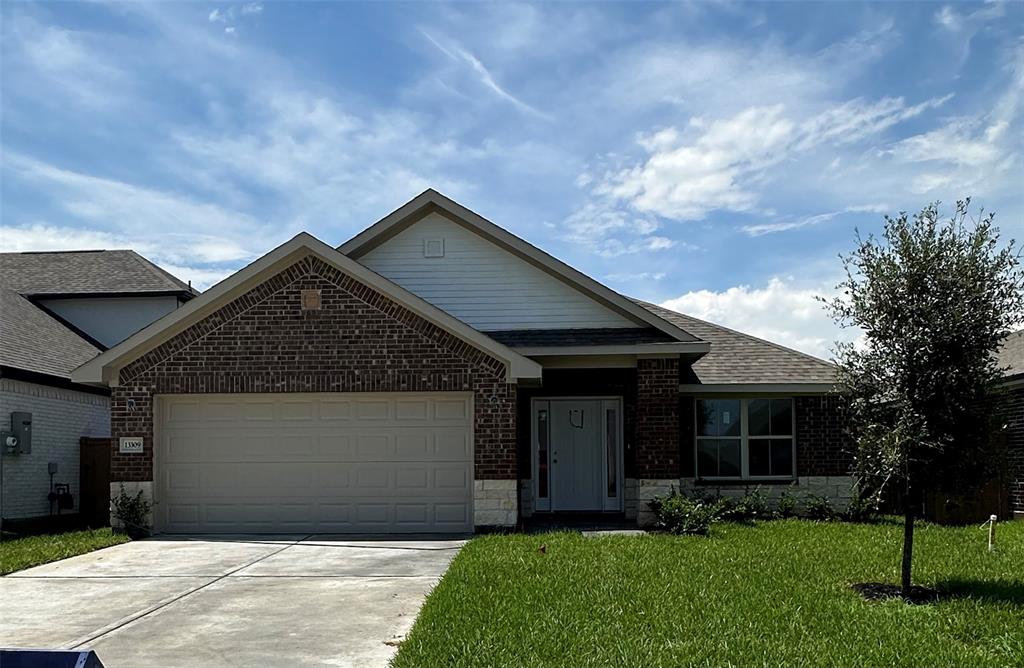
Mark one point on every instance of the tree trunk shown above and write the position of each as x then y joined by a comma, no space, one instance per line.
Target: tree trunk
908,541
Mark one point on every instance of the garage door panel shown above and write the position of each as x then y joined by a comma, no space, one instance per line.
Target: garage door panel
315,462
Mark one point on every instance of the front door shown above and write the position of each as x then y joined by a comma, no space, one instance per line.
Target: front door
577,454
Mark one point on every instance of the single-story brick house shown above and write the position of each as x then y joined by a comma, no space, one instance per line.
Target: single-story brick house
437,373
58,310
1011,357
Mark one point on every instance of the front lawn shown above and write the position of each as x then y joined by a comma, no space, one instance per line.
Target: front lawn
777,593
21,553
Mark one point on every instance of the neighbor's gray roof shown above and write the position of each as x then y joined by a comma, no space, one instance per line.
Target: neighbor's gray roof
1011,354
84,272
743,359
30,338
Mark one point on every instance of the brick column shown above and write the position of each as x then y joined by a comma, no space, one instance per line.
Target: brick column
656,450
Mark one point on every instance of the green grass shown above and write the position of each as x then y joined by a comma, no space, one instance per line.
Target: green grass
777,593
21,553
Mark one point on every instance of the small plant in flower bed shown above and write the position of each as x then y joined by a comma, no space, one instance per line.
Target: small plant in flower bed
750,507
681,514
818,508
787,504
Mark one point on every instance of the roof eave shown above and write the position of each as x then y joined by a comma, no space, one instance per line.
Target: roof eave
759,388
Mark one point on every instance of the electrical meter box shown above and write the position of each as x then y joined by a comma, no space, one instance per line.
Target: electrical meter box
21,427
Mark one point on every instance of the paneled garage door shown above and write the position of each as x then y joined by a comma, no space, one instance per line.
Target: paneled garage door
314,463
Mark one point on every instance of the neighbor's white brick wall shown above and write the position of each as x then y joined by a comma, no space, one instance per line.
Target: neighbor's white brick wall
60,418
494,503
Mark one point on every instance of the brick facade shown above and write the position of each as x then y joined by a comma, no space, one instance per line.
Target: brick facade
823,447
657,443
358,341
1013,407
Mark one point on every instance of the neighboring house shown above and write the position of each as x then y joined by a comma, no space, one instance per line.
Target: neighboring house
1011,357
57,311
437,373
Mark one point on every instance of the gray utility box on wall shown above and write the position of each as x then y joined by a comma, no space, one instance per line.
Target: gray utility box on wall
21,429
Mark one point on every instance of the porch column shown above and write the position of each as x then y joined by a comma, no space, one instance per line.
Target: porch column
656,443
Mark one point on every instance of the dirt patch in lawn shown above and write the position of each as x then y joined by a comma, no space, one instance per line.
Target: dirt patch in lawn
881,591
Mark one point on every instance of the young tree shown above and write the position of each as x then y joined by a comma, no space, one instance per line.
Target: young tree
934,300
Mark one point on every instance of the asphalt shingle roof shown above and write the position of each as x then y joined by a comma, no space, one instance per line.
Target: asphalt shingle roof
740,358
1011,354
84,272
33,340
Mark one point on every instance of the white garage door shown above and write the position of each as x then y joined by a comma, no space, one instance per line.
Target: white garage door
314,463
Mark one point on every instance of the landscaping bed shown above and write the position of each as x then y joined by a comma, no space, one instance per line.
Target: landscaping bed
771,593
21,553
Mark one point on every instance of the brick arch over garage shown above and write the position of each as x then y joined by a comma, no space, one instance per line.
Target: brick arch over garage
358,341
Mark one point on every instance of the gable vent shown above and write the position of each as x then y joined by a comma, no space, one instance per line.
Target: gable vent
433,247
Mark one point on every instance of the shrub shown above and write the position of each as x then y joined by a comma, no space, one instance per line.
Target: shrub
132,512
680,514
817,507
750,507
862,507
787,504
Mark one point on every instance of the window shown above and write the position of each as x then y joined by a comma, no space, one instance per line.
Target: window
745,438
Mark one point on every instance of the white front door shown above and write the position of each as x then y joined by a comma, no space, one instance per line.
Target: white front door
577,454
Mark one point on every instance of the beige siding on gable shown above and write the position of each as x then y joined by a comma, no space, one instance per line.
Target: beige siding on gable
482,284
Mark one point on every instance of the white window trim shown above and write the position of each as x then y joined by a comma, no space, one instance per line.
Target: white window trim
744,438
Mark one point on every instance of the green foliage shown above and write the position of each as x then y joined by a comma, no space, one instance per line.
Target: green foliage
750,507
132,511
816,507
21,553
774,594
933,300
787,504
680,514
862,507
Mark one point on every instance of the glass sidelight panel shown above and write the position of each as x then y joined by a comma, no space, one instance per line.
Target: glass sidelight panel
611,426
542,453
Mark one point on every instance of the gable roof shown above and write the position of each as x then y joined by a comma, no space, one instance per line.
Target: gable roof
432,201
85,273
740,359
31,338
105,369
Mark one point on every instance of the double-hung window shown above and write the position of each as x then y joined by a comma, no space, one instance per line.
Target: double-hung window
745,438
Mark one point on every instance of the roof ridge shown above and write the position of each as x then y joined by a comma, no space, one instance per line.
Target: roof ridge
158,272
777,346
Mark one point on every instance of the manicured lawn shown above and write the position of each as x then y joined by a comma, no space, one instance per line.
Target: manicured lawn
21,553
772,594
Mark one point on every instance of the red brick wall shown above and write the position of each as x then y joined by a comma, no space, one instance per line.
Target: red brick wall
1013,408
657,441
823,447
359,341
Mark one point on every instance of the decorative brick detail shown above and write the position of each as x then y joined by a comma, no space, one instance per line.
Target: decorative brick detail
359,341
657,447
822,443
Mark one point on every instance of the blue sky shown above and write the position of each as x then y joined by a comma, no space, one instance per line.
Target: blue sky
711,156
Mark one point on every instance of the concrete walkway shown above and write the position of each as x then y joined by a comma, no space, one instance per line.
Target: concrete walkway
228,600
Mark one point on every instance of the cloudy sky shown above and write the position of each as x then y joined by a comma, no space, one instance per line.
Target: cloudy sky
712,157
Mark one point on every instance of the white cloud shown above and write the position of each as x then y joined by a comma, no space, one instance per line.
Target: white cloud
761,229
722,164
456,52
643,276
781,311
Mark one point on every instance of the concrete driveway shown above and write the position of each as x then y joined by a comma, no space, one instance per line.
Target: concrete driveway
228,600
